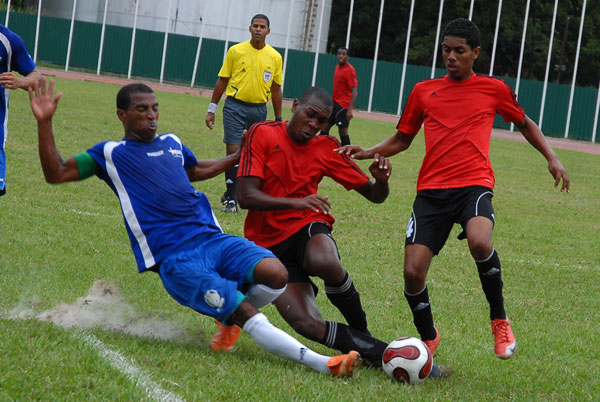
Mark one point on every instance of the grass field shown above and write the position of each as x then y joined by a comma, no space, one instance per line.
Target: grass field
57,241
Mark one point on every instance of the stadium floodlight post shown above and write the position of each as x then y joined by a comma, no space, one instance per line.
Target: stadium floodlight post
596,115
512,125
102,38
37,31
135,16
496,37
406,47
548,65
7,14
437,38
575,70
375,56
287,44
471,10
227,31
349,24
70,35
164,54
197,53
314,77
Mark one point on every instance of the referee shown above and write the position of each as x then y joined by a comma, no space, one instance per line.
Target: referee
250,75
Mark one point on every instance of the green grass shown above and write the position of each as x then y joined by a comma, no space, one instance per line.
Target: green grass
57,240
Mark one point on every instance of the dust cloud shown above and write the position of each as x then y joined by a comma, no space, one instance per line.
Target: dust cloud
104,307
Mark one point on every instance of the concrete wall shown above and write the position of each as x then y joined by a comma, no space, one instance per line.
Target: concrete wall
187,17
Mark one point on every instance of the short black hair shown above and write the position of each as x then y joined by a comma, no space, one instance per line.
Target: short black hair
124,94
344,48
260,17
317,92
466,29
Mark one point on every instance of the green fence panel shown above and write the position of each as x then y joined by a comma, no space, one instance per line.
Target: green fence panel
298,75
115,52
582,114
210,62
181,53
364,69
86,45
147,56
54,40
555,110
24,26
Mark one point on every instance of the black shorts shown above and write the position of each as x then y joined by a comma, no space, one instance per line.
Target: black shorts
436,211
291,251
338,116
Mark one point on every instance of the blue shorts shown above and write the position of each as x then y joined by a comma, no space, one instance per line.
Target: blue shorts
208,277
239,116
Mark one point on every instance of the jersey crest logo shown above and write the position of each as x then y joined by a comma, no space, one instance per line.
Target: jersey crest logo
214,299
176,152
267,75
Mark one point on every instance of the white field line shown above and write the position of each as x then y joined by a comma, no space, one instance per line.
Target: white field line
129,369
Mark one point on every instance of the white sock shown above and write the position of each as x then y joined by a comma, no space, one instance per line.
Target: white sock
274,340
261,295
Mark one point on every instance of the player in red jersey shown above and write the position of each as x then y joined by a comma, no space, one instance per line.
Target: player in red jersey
456,178
280,170
345,92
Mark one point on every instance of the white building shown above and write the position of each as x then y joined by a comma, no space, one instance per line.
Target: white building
227,20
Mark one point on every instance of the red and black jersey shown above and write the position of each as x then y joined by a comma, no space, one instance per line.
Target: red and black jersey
344,79
290,169
458,118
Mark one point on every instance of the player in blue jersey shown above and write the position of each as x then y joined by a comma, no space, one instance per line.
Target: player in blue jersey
172,227
13,57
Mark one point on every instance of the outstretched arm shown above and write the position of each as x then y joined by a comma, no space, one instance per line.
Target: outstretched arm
535,137
377,191
10,80
276,99
388,147
207,168
220,87
43,106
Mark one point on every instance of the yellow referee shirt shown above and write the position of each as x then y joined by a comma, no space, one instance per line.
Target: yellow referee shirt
251,72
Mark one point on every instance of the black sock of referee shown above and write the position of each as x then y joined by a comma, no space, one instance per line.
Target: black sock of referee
490,274
421,310
344,338
231,182
344,296
345,139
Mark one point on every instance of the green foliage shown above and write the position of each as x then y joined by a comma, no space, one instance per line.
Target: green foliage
58,240
395,24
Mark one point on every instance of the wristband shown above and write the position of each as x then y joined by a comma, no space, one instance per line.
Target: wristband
212,108
278,119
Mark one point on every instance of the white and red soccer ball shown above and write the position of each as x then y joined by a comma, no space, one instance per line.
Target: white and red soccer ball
407,359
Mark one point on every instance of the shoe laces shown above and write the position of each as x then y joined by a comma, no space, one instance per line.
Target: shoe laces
501,330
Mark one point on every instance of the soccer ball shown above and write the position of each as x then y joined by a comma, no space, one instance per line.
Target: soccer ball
407,359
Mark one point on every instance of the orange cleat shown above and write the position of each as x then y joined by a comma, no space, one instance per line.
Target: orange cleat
225,338
432,344
505,343
344,365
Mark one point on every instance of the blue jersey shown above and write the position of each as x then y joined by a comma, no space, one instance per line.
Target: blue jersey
161,208
13,56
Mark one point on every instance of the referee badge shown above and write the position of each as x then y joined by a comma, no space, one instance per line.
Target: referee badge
267,75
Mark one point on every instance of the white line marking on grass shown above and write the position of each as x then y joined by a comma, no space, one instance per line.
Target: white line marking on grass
130,370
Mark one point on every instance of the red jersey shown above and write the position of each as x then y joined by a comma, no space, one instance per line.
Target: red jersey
458,118
290,169
344,79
